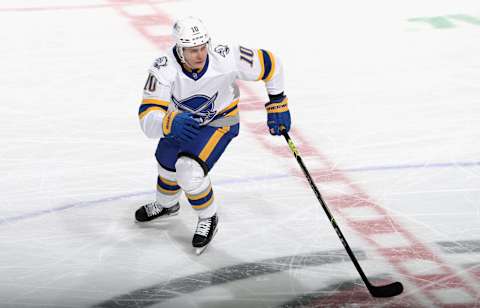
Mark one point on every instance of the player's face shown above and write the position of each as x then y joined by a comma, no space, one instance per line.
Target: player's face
196,56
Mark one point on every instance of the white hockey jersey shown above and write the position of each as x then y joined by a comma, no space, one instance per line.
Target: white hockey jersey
212,93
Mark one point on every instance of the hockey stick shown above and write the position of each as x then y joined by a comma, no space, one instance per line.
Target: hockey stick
388,290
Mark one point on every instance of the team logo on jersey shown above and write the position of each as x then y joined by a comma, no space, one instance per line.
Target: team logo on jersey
162,61
222,50
200,105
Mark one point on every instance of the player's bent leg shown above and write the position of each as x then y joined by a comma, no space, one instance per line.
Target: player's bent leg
168,191
198,189
194,162
196,185
167,196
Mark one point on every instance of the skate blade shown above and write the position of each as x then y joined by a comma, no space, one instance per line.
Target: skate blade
161,218
200,250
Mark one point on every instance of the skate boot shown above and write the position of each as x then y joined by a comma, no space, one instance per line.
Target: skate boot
154,210
206,230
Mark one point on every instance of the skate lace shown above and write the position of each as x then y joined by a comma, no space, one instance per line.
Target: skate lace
203,227
152,209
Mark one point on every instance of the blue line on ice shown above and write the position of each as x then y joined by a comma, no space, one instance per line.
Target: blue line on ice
81,204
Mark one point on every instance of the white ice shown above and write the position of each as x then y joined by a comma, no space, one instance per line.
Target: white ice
390,100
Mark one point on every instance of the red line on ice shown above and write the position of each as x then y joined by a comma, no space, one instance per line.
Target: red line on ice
118,3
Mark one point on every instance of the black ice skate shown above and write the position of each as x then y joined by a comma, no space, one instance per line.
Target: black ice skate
154,210
206,230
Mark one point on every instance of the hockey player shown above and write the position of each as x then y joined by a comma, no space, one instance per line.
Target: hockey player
190,103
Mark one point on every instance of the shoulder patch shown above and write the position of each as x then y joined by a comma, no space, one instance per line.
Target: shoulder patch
222,50
162,61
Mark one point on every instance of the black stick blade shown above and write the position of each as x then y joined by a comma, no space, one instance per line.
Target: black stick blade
388,290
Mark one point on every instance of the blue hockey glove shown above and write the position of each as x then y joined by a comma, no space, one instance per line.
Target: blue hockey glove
277,113
180,126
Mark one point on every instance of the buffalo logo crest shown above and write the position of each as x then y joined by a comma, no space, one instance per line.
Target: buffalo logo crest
202,106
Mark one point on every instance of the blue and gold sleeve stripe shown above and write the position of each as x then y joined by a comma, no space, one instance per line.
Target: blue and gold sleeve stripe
166,186
267,65
150,104
229,111
201,200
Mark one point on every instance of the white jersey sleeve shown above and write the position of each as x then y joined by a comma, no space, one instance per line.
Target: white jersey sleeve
259,64
156,99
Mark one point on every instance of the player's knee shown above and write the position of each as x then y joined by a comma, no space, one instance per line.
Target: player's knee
190,175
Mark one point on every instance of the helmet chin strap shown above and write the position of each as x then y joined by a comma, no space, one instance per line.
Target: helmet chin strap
180,53
182,58
188,65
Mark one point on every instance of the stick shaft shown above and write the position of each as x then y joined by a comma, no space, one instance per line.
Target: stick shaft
295,152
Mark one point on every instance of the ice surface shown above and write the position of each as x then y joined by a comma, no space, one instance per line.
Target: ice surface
384,100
